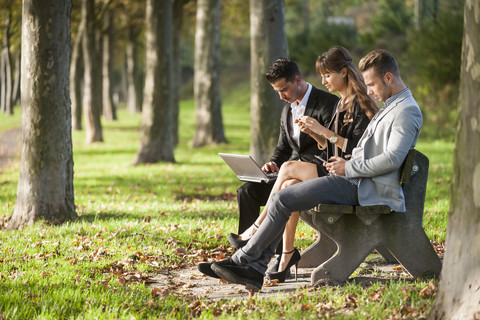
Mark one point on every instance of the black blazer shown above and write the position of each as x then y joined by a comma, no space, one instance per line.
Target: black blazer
320,106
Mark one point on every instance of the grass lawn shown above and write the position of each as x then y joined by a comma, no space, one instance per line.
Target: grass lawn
135,222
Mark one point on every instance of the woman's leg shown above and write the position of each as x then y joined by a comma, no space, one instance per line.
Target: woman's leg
289,234
291,170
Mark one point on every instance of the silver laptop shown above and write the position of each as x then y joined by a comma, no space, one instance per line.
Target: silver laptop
247,169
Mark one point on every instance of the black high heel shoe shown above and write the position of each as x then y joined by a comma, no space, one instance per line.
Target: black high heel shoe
236,242
281,275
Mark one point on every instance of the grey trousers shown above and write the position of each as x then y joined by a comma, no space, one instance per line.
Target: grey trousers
302,196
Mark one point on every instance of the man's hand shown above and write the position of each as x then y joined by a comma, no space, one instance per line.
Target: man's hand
335,166
270,167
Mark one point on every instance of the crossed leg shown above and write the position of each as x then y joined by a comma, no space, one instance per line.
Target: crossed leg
291,172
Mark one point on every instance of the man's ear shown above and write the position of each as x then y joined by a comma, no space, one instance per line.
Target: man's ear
297,81
388,78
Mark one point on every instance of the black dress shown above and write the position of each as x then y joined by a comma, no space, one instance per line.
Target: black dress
352,131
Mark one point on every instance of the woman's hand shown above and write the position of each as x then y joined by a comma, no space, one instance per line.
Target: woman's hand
309,125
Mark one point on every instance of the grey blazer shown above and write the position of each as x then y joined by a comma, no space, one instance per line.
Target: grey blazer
386,143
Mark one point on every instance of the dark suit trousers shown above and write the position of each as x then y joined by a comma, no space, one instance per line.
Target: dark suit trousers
251,196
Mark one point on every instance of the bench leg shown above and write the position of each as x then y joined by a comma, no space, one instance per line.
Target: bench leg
318,252
416,254
386,254
344,262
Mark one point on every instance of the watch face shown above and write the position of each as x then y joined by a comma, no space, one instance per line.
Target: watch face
333,139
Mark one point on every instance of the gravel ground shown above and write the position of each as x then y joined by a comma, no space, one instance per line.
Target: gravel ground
9,146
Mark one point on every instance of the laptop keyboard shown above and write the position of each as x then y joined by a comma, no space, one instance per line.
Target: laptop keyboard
272,174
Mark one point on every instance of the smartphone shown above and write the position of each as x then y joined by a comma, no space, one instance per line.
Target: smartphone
321,159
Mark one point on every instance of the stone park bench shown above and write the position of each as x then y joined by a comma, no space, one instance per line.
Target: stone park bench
348,234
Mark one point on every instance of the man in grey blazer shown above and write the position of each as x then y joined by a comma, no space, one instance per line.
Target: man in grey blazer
370,177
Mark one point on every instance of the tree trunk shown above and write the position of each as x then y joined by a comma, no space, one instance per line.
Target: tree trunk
45,184
76,77
268,42
92,109
6,70
156,128
459,295
109,110
177,72
3,83
134,79
16,79
206,87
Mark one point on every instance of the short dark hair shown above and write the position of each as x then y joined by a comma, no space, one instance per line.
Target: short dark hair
381,61
283,68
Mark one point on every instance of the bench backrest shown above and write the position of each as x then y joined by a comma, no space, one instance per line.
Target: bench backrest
414,178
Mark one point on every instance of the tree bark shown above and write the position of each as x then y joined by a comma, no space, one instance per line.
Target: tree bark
459,290
45,184
156,128
76,77
268,42
109,109
92,108
134,79
206,87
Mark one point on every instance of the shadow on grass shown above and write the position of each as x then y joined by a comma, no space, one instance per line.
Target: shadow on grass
199,217
176,188
111,151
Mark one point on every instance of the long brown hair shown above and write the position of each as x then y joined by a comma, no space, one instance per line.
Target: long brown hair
334,60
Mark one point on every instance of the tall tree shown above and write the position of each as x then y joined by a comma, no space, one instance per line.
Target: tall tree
45,184
177,69
134,20
6,70
91,106
16,79
459,295
156,127
76,77
268,42
109,108
206,87
134,78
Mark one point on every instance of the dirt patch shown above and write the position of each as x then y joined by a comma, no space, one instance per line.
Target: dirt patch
9,146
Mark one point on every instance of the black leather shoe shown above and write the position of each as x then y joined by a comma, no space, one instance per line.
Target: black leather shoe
245,275
235,241
206,267
282,275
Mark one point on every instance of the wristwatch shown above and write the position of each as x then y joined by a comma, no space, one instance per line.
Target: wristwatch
333,139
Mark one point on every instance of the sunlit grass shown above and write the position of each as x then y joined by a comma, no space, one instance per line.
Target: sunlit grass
145,213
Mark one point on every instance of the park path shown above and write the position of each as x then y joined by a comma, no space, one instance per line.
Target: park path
9,146
190,282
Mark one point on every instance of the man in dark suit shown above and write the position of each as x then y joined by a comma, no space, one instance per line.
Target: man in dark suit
303,99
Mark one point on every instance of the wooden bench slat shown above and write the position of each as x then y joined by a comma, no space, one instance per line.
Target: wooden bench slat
335,208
